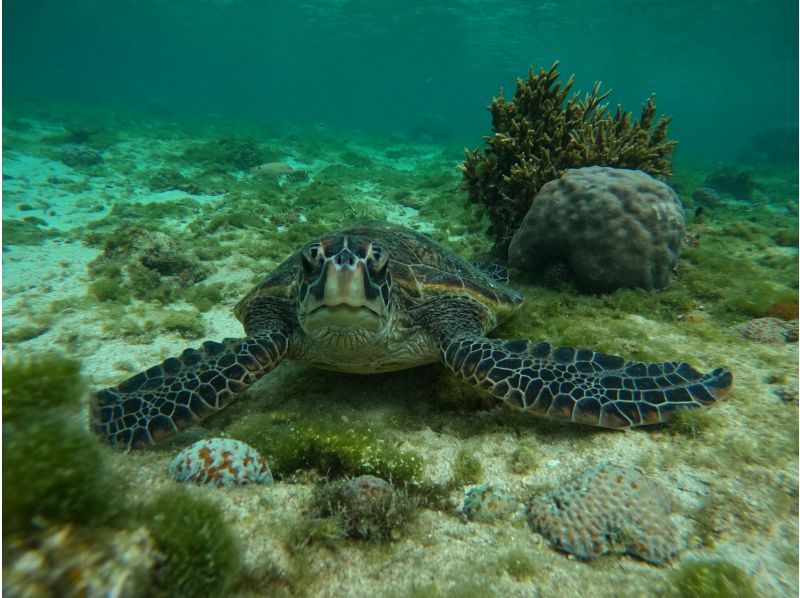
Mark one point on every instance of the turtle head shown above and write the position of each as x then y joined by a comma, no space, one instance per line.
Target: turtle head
344,288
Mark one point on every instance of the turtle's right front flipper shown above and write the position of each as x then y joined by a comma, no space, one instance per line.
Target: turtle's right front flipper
183,390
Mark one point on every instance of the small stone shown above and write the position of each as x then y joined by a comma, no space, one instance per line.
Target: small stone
485,503
220,462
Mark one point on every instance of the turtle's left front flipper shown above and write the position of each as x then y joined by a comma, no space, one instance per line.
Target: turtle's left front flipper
580,385
183,390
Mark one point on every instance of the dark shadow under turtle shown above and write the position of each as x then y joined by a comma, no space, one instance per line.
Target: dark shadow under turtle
379,297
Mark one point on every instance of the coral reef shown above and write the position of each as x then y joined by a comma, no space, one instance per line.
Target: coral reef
767,330
542,132
614,228
608,508
220,462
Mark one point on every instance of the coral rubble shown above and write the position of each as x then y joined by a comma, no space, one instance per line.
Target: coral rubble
542,132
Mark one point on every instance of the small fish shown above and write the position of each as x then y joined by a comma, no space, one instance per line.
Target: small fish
272,168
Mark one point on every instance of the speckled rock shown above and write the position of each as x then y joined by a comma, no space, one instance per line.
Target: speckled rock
487,503
615,228
80,155
608,508
220,462
767,330
367,488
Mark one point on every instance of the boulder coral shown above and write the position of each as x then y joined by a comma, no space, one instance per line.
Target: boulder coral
613,228
543,131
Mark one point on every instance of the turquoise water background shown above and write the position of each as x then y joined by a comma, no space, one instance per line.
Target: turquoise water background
724,69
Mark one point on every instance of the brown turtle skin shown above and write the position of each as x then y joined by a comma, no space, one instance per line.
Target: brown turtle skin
377,297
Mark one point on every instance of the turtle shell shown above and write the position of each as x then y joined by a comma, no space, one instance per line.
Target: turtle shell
419,266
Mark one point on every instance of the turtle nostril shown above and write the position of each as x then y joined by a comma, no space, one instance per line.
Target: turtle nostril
345,258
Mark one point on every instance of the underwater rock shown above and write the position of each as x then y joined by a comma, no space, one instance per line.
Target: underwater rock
220,462
168,179
367,488
608,508
728,179
767,330
787,393
545,130
486,503
706,197
367,507
615,228
80,155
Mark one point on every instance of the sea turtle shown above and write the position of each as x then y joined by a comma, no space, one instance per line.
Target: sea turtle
377,297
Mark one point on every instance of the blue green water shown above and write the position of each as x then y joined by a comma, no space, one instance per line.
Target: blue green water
162,157
724,69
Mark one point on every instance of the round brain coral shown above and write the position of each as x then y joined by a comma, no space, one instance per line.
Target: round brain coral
220,462
614,228
608,508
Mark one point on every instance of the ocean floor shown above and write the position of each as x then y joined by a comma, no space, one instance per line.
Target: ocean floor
86,196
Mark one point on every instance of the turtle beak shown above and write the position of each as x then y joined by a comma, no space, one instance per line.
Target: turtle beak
347,283
343,294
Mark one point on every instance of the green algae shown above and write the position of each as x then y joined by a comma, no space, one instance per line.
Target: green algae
26,232
200,556
187,323
467,469
53,469
377,519
332,449
524,459
203,296
225,154
109,289
712,579
694,422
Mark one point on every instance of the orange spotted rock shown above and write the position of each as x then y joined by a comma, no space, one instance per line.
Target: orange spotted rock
220,462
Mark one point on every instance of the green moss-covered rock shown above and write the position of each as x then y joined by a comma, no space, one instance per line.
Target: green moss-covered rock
200,555
226,153
53,469
188,324
467,469
367,508
330,449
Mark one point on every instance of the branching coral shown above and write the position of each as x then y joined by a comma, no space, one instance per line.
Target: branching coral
542,132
